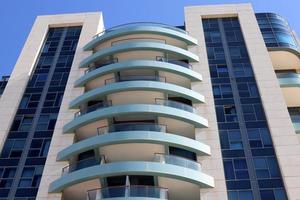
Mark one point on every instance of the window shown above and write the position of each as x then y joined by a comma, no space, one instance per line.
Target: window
226,91
45,148
222,70
240,195
235,140
9,173
266,167
24,183
6,183
73,46
248,90
215,36
259,138
217,92
47,61
28,172
43,122
46,47
210,53
219,53
31,177
62,59
26,124
235,52
24,101
231,139
236,169
253,90
285,38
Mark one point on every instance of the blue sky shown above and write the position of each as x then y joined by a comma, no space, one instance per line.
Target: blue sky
17,16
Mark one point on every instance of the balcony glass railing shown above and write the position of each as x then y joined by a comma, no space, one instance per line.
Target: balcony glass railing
177,160
176,62
128,25
158,58
289,79
132,127
165,102
82,164
288,75
295,118
138,40
115,60
175,104
94,107
141,191
136,78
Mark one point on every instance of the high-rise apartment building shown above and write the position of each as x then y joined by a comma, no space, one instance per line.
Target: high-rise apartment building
205,111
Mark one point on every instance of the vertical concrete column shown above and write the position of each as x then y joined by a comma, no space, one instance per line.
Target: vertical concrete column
212,165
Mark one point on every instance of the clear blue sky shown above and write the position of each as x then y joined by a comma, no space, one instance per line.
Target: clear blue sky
17,16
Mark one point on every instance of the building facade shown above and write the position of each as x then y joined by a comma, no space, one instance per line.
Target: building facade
208,110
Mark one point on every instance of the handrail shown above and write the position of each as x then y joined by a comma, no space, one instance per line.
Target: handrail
158,101
145,39
175,104
136,78
94,107
177,160
111,61
158,58
140,23
177,62
88,162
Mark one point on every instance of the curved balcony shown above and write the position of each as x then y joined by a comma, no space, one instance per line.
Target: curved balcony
140,28
281,35
133,133
163,108
158,58
134,192
136,46
174,67
289,79
173,168
283,47
136,85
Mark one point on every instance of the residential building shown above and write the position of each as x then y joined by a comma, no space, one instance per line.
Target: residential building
208,110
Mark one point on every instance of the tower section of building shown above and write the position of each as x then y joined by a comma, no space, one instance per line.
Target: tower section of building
135,123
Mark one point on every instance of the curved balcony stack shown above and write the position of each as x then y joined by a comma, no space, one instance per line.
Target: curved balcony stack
137,118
